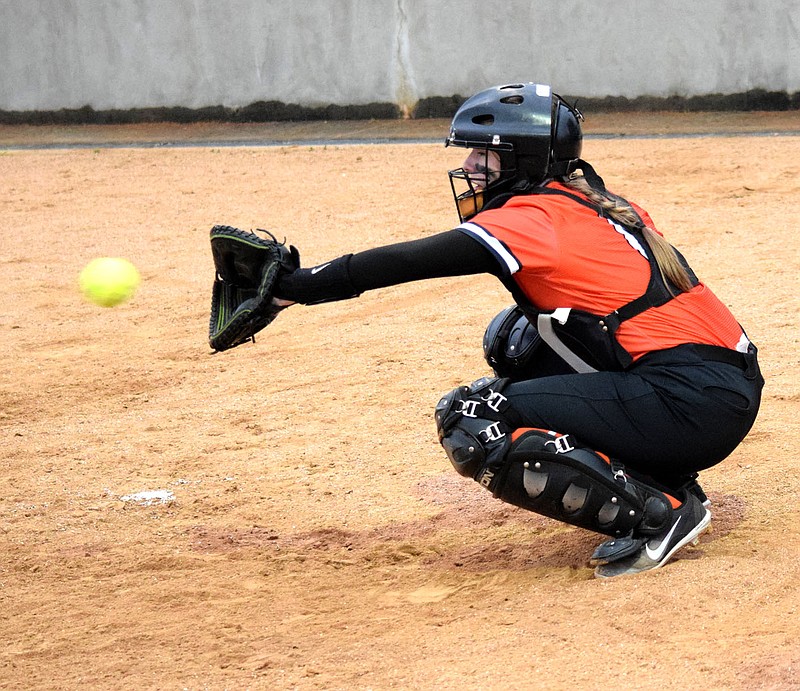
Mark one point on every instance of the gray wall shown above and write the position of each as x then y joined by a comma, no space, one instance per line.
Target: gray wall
121,54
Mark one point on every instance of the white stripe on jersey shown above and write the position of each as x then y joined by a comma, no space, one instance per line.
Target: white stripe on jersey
493,244
632,241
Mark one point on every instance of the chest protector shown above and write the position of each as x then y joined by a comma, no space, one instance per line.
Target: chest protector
587,341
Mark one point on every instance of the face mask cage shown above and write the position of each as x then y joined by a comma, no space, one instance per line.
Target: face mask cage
469,199
470,189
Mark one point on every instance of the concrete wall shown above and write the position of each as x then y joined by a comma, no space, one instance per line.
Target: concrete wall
123,54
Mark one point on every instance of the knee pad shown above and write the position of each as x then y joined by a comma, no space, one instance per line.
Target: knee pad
473,429
513,347
510,342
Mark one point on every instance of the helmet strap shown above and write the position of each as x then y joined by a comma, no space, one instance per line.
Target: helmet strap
588,172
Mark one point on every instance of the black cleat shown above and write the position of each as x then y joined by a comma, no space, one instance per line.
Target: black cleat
690,520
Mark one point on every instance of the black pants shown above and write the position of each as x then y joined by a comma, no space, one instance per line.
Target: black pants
671,415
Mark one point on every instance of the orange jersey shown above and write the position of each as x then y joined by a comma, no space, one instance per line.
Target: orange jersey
563,254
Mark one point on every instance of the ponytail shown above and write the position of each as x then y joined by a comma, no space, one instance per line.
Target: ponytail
619,210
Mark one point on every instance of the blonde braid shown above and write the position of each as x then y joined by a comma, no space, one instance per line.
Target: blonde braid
672,271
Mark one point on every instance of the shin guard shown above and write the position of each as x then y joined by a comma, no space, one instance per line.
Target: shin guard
551,474
544,472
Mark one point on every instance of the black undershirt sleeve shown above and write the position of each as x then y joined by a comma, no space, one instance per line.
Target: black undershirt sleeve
451,253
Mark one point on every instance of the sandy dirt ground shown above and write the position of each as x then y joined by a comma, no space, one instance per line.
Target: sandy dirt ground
311,532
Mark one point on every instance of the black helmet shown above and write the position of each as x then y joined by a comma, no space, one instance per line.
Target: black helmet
536,134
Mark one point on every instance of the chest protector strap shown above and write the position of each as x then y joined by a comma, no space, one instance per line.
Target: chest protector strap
587,341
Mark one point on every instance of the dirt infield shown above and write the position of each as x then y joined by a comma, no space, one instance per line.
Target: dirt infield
309,532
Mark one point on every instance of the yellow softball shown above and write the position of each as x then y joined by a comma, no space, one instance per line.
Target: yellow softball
109,281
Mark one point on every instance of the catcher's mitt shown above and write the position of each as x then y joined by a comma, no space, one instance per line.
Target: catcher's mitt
247,269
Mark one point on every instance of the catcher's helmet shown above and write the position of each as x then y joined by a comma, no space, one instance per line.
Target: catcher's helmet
536,134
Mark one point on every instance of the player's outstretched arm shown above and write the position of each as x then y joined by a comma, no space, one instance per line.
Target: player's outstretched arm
451,253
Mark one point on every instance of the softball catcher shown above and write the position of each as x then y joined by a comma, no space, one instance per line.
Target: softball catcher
619,375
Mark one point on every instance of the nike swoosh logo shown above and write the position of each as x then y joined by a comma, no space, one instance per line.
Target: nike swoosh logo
317,269
658,553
